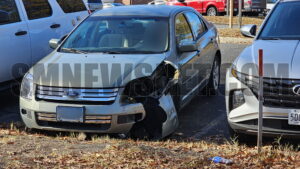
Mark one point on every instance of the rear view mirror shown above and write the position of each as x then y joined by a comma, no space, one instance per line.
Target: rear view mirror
4,17
187,46
249,30
54,43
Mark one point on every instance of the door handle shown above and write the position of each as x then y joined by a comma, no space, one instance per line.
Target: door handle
54,26
21,33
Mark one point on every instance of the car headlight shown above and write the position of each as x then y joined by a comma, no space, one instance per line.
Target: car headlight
252,82
27,87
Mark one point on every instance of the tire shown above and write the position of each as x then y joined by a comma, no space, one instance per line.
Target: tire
212,11
212,87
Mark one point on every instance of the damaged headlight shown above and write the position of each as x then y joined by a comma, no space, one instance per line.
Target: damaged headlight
27,87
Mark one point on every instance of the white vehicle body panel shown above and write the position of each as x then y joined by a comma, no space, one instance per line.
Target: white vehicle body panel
33,46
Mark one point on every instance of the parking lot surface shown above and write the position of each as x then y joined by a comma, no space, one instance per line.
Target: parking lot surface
204,116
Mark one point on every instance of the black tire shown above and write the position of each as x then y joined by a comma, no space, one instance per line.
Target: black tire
212,87
212,11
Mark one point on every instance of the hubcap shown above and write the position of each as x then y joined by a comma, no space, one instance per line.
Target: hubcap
216,75
211,12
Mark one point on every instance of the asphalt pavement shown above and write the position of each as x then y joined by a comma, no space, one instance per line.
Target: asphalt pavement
204,116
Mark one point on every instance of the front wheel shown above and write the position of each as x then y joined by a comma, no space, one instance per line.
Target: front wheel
212,11
214,81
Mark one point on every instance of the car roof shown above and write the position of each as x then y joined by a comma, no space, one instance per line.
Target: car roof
141,10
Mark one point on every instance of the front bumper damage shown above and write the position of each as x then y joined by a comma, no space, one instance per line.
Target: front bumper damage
114,118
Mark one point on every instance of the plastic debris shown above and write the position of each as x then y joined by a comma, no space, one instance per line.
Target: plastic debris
221,160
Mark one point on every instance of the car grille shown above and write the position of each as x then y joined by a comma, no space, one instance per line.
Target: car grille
76,94
88,119
277,92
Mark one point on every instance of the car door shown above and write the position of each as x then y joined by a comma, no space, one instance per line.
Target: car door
43,25
203,60
196,4
187,60
14,41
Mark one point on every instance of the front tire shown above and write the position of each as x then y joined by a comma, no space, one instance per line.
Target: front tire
214,80
212,11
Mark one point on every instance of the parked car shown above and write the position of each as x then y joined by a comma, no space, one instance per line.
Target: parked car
111,5
279,38
158,2
94,5
26,28
208,7
254,7
219,7
134,68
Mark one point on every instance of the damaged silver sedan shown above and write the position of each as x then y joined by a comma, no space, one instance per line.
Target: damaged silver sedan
126,70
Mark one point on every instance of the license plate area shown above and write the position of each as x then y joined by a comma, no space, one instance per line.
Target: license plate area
294,117
70,114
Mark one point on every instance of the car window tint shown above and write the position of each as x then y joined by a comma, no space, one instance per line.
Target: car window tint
183,31
9,10
36,9
70,6
196,24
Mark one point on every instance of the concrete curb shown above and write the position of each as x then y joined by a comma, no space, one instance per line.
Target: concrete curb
236,40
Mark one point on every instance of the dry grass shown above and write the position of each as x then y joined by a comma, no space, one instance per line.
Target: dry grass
225,20
235,33
23,150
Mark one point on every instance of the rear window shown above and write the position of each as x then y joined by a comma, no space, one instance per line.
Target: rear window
94,1
70,6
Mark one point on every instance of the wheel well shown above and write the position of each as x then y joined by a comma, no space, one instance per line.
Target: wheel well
218,56
212,6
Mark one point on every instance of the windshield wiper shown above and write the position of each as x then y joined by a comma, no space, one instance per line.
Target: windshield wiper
111,52
72,50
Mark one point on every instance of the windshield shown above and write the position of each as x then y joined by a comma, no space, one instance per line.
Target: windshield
119,35
284,22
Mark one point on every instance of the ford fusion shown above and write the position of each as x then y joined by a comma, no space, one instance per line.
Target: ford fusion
279,38
125,70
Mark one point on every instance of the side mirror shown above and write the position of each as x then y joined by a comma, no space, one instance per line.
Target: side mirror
54,43
4,17
249,30
187,46
182,1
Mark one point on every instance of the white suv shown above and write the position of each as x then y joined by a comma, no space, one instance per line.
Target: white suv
279,38
26,26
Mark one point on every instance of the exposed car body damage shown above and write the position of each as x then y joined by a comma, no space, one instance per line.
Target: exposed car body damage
125,80
155,93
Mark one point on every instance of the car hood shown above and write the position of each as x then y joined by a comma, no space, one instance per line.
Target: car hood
281,59
93,70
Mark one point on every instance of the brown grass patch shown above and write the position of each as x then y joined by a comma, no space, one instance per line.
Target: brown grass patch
23,150
227,32
225,20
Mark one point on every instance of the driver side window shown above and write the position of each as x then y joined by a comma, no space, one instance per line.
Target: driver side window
183,30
